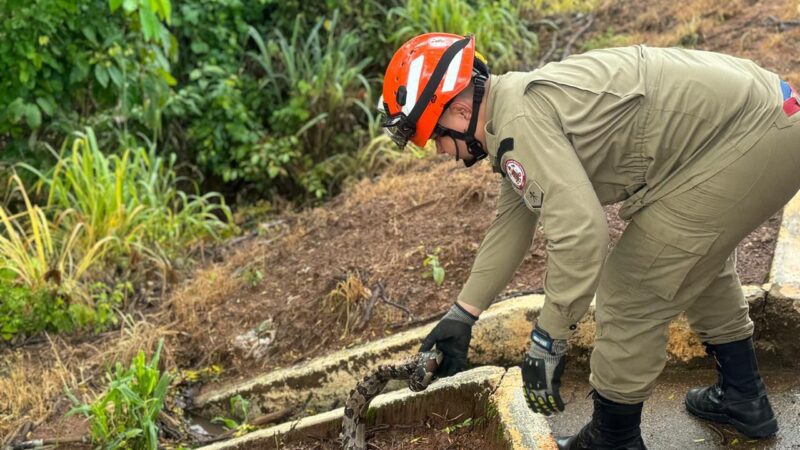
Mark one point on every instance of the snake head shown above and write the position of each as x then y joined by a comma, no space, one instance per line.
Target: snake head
426,365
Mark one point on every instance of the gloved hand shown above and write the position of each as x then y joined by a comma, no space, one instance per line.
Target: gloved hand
541,372
451,336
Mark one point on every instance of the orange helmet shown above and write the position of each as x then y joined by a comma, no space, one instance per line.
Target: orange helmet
424,75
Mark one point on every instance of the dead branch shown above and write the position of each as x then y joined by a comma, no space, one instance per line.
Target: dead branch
397,305
576,36
553,46
781,24
377,292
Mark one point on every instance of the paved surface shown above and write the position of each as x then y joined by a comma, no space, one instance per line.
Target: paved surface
667,425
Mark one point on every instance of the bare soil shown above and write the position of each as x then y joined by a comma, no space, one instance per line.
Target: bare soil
434,433
351,270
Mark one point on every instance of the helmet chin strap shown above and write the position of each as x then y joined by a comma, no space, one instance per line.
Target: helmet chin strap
474,146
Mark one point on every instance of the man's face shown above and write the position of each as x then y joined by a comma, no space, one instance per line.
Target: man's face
456,118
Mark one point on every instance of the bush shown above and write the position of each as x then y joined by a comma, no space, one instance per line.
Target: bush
67,60
26,312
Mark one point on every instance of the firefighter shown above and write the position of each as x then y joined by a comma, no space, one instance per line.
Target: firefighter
700,147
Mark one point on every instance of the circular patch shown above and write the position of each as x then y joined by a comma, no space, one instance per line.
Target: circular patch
515,173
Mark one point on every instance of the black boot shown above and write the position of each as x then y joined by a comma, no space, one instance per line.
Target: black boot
614,426
739,397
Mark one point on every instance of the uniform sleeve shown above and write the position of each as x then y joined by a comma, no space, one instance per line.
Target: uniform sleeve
573,221
503,248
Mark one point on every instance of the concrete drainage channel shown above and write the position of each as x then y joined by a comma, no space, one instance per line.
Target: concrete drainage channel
499,340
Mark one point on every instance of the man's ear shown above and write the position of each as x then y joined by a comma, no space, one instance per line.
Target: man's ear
461,109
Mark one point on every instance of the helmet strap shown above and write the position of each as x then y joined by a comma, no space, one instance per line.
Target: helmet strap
474,146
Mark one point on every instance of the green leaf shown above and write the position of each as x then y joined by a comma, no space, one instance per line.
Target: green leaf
101,74
33,116
116,75
150,23
226,422
90,34
46,105
130,5
114,4
199,47
438,275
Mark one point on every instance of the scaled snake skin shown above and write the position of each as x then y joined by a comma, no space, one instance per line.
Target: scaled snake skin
417,369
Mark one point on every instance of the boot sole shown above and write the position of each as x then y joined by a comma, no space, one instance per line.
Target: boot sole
754,431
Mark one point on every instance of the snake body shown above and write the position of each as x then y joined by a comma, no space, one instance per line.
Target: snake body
417,369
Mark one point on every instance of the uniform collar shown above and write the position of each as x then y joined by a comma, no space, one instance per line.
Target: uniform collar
491,138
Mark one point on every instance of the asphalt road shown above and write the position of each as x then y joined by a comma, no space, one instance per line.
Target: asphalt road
667,425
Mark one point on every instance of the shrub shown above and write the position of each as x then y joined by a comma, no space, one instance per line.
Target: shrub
313,82
126,414
66,60
26,312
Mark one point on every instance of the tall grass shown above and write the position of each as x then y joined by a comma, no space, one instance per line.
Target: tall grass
132,197
43,253
502,36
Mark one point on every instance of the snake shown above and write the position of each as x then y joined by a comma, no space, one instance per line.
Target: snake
418,369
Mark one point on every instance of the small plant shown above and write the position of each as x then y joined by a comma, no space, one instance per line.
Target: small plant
240,410
346,301
435,271
126,415
253,276
468,422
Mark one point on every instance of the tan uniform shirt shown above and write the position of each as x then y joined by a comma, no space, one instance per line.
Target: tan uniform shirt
633,124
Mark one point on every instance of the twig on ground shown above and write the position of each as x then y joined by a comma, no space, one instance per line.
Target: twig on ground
377,292
781,24
425,319
39,443
397,305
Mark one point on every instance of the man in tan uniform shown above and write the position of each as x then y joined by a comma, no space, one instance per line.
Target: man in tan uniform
700,147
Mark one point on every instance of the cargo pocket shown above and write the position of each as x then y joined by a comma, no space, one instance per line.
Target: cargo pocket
674,256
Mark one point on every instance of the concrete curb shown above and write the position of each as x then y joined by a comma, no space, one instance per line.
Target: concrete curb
329,378
466,393
499,338
785,271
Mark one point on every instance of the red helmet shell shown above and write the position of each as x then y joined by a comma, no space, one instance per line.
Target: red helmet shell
410,70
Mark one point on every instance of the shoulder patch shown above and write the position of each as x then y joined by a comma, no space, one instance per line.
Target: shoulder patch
515,172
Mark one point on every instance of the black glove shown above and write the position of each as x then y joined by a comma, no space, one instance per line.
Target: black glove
451,337
541,372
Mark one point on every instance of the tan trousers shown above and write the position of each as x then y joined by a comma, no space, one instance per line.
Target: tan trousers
675,256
